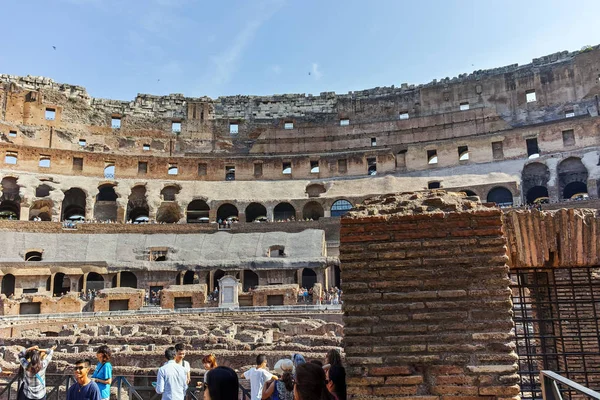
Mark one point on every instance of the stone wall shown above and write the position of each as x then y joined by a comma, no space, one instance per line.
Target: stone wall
134,298
69,303
427,308
288,293
197,294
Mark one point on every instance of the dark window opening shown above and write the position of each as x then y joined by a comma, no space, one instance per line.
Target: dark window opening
497,150
230,173
142,167
33,256
463,153
432,157
202,169
372,166
568,137
258,169
287,168
314,167
533,151
434,185
77,164
342,166
373,142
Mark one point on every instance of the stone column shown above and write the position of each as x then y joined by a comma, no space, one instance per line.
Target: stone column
427,307
24,213
212,281
592,186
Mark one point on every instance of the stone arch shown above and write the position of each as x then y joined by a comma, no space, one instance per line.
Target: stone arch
43,190
340,207
33,255
501,196
534,181
168,212
137,206
186,277
315,189
128,279
250,280
572,177
10,201
41,209
254,211
218,275
73,205
284,211
309,278
93,281
337,276
226,211
105,207
197,211
8,285
313,210
170,192
62,284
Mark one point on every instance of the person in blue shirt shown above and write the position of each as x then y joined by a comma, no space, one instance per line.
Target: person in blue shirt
171,381
103,373
83,388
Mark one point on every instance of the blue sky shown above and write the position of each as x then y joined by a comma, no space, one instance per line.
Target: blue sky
118,48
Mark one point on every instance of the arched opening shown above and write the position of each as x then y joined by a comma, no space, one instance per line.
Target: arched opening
33,256
312,210
169,193
109,171
8,285
536,193
284,212
256,212
218,275
315,189
340,208
227,211
128,279
105,207
197,212
168,212
42,191
10,201
469,192
62,284
137,205
41,210
94,281
501,196
250,280
534,180
575,190
309,278
73,205
337,276
186,278
9,210
570,171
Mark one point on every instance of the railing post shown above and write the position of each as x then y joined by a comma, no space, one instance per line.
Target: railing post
119,384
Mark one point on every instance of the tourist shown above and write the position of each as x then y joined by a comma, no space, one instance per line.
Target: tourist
221,384
209,362
83,388
310,383
103,373
282,389
171,379
180,349
336,382
34,363
298,359
333,358
258,376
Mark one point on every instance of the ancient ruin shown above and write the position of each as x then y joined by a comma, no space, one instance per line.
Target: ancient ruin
467,264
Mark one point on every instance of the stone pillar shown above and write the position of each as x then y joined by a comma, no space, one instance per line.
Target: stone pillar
118,279
592,186
212,281
51,284
270,214
24,213
427,308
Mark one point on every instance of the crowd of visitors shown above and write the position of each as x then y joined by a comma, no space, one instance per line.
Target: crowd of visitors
291,379
331,296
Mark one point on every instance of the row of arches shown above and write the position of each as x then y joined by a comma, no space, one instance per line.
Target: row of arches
572,180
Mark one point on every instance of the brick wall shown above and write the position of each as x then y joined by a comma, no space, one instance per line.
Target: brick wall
135,298
427,308
197,292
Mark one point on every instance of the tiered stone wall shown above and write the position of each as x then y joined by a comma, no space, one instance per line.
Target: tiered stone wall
427,308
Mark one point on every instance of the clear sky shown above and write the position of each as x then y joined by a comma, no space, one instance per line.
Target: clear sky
118,48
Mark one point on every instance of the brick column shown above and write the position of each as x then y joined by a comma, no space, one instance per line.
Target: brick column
427,308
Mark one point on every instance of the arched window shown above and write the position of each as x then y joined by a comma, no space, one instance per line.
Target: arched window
572,178
227,212
197,212
250,280
284,211
309,278
73,205
8,285
313,210
42,191
109,171
340,208
94,281
256,212
33,255
501,196
128,279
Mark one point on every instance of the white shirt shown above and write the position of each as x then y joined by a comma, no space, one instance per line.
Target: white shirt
258,377
171,381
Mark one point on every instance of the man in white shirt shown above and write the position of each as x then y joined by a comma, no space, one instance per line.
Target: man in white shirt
171,379
258,376
180,349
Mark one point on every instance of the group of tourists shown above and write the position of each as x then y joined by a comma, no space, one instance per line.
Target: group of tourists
293,379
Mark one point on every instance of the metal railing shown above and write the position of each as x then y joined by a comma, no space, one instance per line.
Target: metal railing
60,383
554,386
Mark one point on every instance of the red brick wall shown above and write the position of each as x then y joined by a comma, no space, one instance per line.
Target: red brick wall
427,308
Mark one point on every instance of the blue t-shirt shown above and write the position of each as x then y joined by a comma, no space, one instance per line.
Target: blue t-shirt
103,371
87,392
